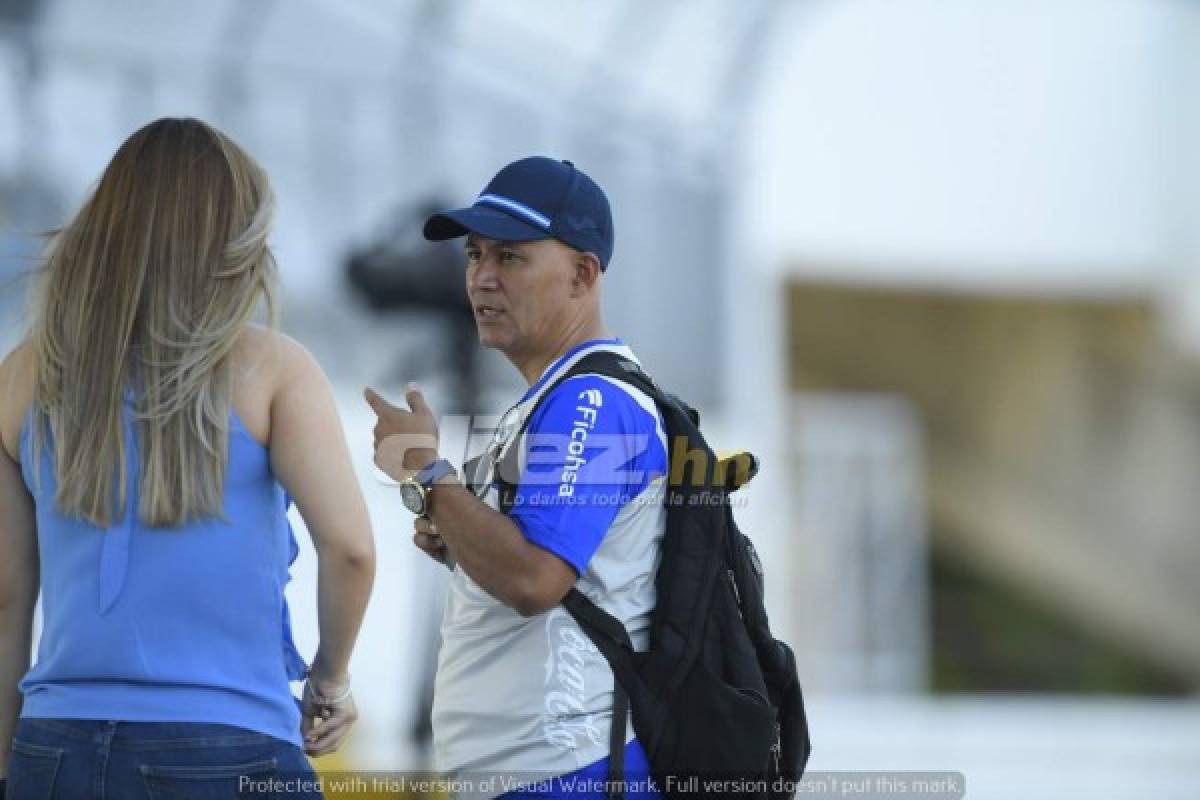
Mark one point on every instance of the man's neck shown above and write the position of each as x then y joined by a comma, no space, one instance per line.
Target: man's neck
533,365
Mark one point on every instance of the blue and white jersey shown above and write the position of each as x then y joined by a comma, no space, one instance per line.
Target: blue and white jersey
534,695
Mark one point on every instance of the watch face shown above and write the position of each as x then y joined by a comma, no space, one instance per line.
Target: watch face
413,497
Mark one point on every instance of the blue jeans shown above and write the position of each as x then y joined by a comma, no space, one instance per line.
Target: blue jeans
61,759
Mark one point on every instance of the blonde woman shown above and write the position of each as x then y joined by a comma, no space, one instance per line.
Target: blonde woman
152,440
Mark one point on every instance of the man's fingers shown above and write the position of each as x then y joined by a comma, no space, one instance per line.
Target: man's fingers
375,400
429,542
416,400
432,546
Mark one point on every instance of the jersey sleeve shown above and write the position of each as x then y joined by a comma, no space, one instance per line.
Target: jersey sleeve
590,449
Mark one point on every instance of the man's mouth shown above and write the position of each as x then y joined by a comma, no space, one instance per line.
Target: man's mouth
484,311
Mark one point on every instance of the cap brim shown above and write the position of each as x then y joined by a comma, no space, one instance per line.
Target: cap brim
482,220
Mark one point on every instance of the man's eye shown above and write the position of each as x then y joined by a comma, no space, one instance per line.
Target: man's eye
509,255
472,255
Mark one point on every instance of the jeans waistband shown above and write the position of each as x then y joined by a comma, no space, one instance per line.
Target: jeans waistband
152,735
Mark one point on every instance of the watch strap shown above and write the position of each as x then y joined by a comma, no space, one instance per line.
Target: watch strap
434,472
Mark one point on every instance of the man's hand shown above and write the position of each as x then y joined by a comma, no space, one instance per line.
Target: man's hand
427,539
405,441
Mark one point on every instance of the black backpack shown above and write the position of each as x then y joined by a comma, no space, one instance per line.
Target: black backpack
716,699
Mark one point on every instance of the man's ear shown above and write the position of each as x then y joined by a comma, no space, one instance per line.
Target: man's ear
587,272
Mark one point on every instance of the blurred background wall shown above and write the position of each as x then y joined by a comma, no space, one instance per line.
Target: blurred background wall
936,263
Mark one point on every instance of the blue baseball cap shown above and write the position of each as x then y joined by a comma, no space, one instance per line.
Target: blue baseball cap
535,198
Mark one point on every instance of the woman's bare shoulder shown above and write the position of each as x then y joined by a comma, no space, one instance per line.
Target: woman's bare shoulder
272,353
268,363
17,378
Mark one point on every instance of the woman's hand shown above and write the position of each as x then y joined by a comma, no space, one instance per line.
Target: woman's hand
327,712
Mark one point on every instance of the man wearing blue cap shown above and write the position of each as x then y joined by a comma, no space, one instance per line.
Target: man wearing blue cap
521,691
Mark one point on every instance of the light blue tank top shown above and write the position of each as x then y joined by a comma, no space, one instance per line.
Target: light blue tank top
187,624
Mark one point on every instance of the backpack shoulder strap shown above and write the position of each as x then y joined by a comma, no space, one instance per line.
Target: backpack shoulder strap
608,364
601,362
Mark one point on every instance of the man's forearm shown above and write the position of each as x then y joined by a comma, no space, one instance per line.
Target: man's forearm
487,544
16,631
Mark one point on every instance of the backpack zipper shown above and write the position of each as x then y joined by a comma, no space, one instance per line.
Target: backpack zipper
777,748
737,596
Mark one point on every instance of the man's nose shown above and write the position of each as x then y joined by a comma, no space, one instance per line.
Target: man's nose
484,275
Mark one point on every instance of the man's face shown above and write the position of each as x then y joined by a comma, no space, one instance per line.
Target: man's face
520,292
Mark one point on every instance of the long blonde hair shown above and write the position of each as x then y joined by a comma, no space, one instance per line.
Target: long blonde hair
146,291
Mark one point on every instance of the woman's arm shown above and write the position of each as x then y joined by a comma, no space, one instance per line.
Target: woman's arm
18,581
310,457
